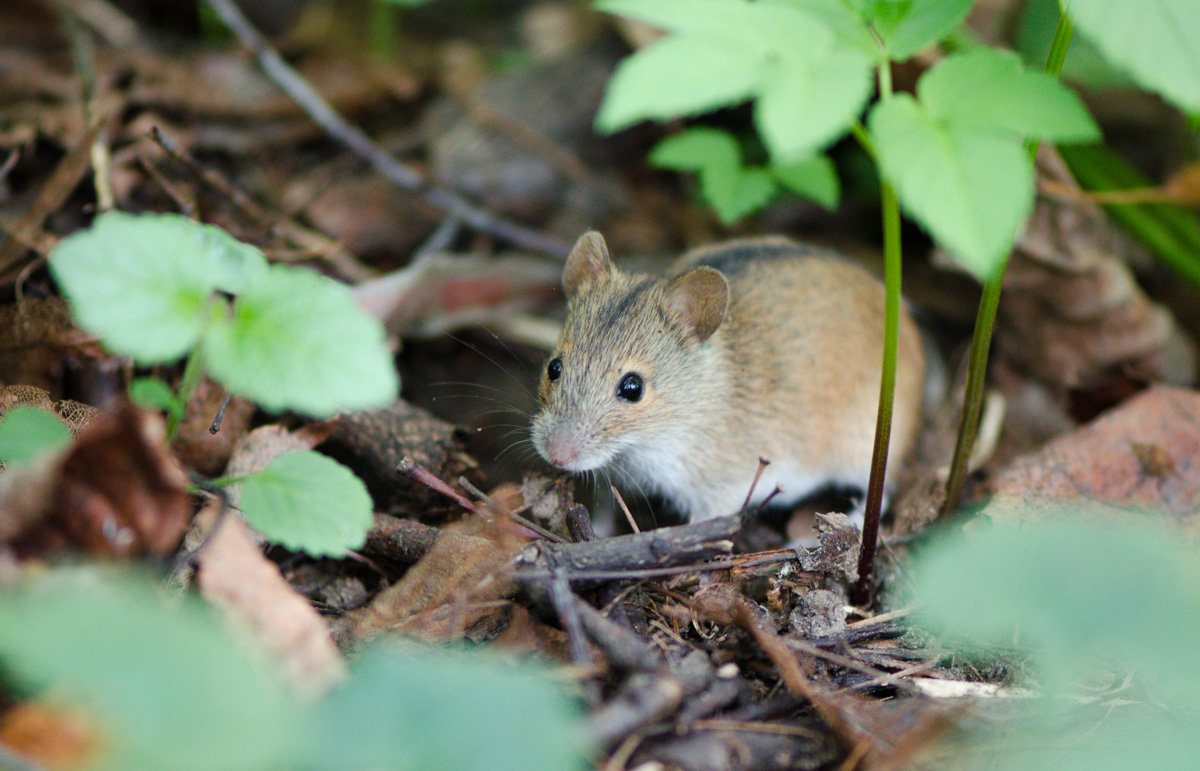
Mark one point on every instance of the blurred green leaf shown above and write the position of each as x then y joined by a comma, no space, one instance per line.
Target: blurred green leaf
446,711
308,502
139,282
733,190
989,88
26,432
166,684
297,340
1156,41
238,264
1076,593
1083,596
153,393
807,102
677,76
971,189
718,53
1083,65
814,178
907,28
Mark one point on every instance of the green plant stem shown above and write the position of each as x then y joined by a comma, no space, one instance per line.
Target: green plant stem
985,322
863,590
873,505
192,372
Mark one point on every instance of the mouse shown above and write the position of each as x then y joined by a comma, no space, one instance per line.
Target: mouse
754,348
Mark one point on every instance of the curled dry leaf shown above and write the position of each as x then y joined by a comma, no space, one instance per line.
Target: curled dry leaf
1072,313
115,492
249,590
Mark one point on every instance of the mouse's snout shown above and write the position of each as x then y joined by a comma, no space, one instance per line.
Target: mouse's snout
566,444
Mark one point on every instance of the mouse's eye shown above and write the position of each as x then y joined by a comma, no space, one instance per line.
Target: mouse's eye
630,387
554,368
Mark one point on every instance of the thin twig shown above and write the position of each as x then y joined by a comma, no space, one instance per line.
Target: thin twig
331,251
628,514
382,162
762,466
418,473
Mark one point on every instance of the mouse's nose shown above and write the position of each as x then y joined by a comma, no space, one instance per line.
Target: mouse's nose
562,450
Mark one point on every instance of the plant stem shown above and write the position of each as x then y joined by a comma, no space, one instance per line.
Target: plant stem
873,506
887,390
192,372
985,321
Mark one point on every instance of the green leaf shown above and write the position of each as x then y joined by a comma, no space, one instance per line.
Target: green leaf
695,149
970,188
1077,593
989,88
675,76
153,393
165,684
447,711
1083,65
732,189
814,178
1155,41
736,195
238,265
805,104
308,502
723,18
907,28
846,21
26,432
141,283
297,340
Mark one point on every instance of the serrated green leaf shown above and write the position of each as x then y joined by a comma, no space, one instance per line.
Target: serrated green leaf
907,28
697,148
447,711
736,195
238,265
678,76
308,502
814,178
987,87
1155,41
141,283
153,393
805,104
972,189
26,432
297,340
166,686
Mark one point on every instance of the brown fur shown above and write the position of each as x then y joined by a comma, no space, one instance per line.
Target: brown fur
751,348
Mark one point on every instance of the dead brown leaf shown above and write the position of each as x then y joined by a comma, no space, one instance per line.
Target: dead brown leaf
115,492
249,590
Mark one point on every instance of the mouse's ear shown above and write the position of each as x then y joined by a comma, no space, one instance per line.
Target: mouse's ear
696,302
587,262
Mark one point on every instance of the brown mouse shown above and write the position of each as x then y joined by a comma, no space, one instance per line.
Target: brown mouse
751,348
